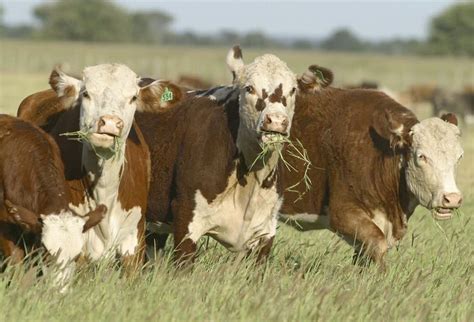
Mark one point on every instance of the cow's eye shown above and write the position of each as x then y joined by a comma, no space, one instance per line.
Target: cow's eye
421,157
249,89
133,99
293,91
85,95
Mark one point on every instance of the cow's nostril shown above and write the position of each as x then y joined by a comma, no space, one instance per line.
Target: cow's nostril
101,122
268,119
120,125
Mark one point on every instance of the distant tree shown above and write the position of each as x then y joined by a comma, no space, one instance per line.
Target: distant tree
150,26
452,32
343,40
302,44
229,37
256,39
86,20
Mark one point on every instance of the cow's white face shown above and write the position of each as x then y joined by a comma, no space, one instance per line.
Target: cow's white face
62,235
267,97
433,156
109,94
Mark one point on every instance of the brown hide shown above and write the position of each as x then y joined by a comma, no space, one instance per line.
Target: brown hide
348,136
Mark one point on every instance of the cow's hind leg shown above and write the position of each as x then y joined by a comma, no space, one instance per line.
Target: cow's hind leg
132,263
358,229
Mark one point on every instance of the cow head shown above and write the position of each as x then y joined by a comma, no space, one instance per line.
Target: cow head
433,150
61,233
267,97
108,96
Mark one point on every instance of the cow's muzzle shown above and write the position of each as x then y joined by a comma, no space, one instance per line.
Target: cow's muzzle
450,202
275,123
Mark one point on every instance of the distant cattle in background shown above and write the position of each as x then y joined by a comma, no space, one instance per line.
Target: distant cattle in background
460,103
193,82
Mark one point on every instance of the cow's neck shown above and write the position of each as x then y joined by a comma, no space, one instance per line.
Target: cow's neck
103,175
250,149
408,201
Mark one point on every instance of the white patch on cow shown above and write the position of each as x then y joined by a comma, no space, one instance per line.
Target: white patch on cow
305,221
431,165
62,235
381,220
399,130
238,217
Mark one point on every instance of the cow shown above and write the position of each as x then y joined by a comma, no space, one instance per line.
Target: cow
110,163
35,198
193,82
460,103
373,163
207,177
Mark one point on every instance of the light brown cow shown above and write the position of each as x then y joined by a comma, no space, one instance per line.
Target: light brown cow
373,162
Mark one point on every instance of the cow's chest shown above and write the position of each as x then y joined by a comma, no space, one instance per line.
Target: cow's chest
117,232
238,217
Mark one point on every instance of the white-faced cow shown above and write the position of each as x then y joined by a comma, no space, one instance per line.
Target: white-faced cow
34,197
204,179
373,162
110,165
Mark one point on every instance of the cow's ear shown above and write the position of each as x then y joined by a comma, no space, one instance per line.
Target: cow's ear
235,62
315,79
394,127
159,95
66,87
450,118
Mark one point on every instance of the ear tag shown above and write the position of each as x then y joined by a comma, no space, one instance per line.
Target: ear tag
319,74
167,95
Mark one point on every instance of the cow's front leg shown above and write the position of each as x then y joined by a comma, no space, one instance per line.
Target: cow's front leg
132,250
359,229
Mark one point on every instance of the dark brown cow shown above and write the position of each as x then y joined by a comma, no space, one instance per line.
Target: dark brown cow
33,186
204,180
372,164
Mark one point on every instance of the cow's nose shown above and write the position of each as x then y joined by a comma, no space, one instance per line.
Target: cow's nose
275,122
452,200
110,124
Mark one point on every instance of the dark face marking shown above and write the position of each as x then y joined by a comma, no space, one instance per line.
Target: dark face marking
264,94
260,105
277,95
283,101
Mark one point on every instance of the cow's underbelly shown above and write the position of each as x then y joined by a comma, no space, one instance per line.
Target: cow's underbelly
305,221
237,218
117,232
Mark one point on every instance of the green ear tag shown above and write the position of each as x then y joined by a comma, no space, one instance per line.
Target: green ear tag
167,95
319,74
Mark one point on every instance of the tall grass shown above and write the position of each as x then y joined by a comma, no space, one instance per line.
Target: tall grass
309,276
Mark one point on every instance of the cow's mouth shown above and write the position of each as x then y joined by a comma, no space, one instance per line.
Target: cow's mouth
442,213
272,137
102,140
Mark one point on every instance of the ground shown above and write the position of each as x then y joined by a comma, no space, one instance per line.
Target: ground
309,276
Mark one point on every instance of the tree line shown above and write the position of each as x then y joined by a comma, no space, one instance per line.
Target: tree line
450,33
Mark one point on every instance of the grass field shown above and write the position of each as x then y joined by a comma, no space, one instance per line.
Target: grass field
309,275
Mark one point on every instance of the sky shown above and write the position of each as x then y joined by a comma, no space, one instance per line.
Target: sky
373,20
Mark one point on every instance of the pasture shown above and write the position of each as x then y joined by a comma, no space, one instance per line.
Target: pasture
309,276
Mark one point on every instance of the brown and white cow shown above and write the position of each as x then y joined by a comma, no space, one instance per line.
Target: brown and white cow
34,197
203,181
111,166
373,162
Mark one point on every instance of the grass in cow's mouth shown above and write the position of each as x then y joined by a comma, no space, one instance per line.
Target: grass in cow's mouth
83,137
297,151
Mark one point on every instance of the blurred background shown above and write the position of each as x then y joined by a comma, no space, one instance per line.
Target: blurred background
419,52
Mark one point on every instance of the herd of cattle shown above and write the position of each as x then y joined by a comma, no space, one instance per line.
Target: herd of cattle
111,164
